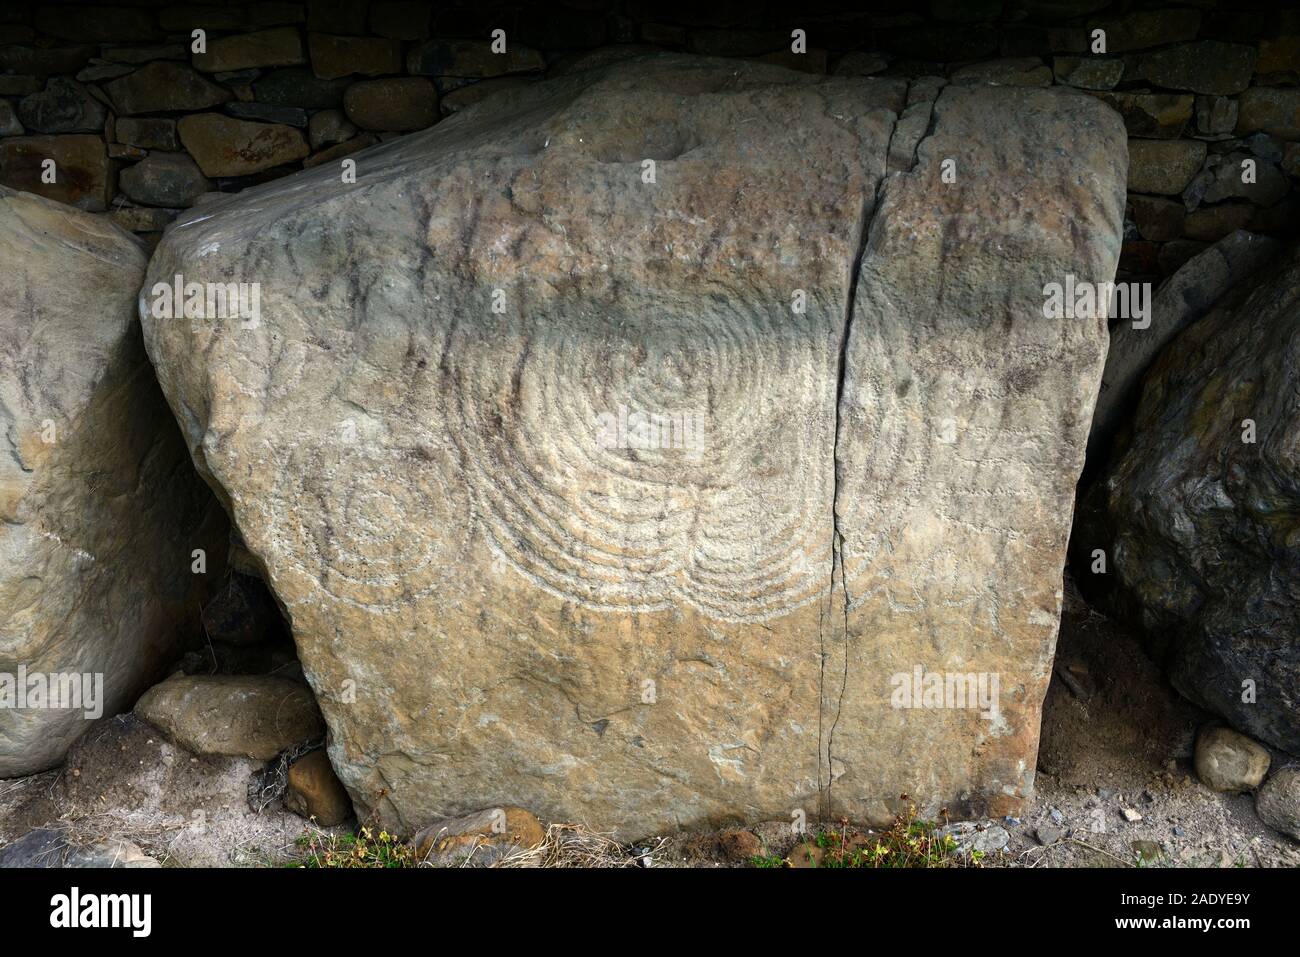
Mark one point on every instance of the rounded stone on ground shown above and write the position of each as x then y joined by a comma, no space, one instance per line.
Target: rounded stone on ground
479,839
256,716
314,791
972,836
47,847
1229,761
1277,802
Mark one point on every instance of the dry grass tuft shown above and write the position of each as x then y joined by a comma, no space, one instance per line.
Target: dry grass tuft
573,845
564,846
268,787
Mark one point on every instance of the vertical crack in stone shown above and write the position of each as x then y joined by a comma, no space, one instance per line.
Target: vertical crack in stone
826,739
862,240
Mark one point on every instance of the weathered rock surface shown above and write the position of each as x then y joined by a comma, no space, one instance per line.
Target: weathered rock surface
43,61
1145,28
982,837
1020,71
287,115
458,99
1291,159
298,86
340,150
1163,166
1273,110
99,510
144,54
953,522
49,847
1221,179
254,716
1088,73
1153,115
11,85
164,86
1279,54
83,174
1277,802
582,552
164,179
223,146
1210,224
1182,299
1195,509
329,128
279,47
142,218
1228,761
314,791
150,134
1156,218
64,106
479,839
1216,114
405,103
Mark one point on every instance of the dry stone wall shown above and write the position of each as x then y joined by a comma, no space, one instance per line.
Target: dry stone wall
141,126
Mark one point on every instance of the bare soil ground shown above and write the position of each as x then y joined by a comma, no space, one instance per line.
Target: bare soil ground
123,781
1117,736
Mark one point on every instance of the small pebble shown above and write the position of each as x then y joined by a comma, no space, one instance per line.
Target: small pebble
1048,835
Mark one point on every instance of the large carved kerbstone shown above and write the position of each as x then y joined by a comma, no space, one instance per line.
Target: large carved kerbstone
99,506
537,440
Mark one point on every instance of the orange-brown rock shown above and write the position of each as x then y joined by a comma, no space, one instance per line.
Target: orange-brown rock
612,448
479,839
314,790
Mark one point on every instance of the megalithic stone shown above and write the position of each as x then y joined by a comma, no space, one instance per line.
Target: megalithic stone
1181,300
1197,501
963,423
555,430
100,509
